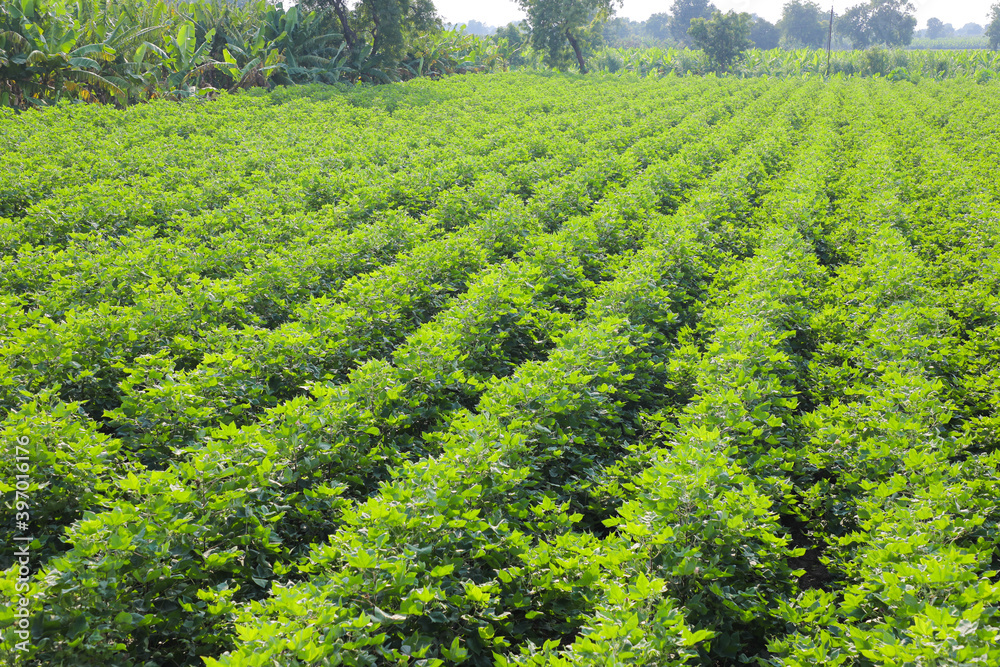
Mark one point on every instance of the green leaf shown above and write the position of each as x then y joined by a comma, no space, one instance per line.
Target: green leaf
442,570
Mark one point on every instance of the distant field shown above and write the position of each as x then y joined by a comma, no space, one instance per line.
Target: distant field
913,64
980,42
509,369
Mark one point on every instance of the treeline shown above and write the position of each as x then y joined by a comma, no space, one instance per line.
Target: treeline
894,64
803,24
938,29
725,36
124,51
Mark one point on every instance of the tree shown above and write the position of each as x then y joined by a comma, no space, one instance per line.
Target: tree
993,29
936,29
803,23
889,22
657,26
893,22
475,27
514,38
685,11
970,30
764,34
724,37
854,25
556,24
381,25
621,32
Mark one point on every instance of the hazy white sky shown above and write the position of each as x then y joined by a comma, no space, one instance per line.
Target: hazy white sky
501,12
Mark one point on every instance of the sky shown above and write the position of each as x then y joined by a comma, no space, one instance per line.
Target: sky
501,12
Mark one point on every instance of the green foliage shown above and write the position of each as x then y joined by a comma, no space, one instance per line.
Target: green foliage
956,42
881,22
566,29
723,38
936,29
516,369
683,12
764,34
993,28
804,24
126,51
977,65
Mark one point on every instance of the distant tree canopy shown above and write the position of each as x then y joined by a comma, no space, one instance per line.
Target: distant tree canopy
723,38
936,29
993,29
970,30
889,22
518,36
658,26
479,28
764,34
654,31
682,12
803,23
563,29
622,32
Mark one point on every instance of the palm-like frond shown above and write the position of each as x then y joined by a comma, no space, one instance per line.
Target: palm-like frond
313,61
38,58
85,63
95,80
15,40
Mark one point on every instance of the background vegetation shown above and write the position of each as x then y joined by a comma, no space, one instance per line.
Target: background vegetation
123,51
127,50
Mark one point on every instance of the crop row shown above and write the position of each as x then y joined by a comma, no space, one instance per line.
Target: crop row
89,342
718,385
608,228
506,476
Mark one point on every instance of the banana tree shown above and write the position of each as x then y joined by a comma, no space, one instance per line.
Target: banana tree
41,60
122,37
184,61
309,52
13,78
256,72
